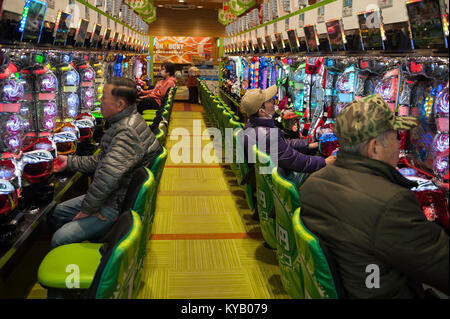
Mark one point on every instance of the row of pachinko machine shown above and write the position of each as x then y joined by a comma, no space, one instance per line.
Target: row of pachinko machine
312,91
50,105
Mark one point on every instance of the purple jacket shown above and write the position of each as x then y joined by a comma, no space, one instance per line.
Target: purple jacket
289,151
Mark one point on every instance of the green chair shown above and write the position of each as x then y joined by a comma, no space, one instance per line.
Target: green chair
138,198
242,170
235,126
157,170
104,270
158,166
264,191
161,136
286,201
316,274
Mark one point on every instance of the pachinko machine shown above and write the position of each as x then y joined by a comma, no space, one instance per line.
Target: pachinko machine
312,91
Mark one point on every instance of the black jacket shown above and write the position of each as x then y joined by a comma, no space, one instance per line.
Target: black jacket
126,145
365,212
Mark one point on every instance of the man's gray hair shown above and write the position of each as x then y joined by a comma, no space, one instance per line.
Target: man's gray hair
359,148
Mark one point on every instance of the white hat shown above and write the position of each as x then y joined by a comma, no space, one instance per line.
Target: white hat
253,100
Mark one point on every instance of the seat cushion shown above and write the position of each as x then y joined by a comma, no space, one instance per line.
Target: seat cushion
52,272
149,111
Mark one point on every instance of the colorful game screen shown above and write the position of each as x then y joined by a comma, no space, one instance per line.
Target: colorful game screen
95,37
336,35
371,30
80,35
312,40
426,24
62,28
33,18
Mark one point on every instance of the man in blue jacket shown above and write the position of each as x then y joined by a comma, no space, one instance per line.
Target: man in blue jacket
259,106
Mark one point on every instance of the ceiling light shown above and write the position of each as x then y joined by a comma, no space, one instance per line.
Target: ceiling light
180,0
160,5
199,7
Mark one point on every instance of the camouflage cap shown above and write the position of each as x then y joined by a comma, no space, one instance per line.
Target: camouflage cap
367,118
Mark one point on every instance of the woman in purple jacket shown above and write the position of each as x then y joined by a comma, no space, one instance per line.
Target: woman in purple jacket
259,106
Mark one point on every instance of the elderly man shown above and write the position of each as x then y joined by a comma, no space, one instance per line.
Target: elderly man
127,145
363,210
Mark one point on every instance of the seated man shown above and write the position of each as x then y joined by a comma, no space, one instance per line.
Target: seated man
126,145
363,210
259,106
151,99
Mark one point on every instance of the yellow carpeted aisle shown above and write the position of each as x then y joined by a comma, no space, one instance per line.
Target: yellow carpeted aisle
204,243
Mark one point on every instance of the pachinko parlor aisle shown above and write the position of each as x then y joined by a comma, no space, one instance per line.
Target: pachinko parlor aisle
264,150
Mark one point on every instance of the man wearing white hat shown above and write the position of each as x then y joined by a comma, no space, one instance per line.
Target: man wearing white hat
259,106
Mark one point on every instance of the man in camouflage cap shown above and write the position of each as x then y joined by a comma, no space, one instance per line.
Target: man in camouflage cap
363,210
367,118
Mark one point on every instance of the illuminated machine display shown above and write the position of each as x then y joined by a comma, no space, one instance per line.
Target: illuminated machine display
314,86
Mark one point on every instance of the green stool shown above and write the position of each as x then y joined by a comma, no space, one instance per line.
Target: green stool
105,271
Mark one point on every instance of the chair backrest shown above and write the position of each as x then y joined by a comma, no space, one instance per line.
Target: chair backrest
161,136
226,117
316,274
264,195
137,192
241,168
286,201
157,170
114,278
235,124
166,96
158,165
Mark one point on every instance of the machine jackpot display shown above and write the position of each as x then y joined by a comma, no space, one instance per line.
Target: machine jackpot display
336,36
95,37
312,39
80,35
372,38
61,28
32,21
280,43
428,24
293,40
261,47
106,38
269,44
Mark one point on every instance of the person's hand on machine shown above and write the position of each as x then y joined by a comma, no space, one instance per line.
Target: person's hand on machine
60,164
313,146
330,159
